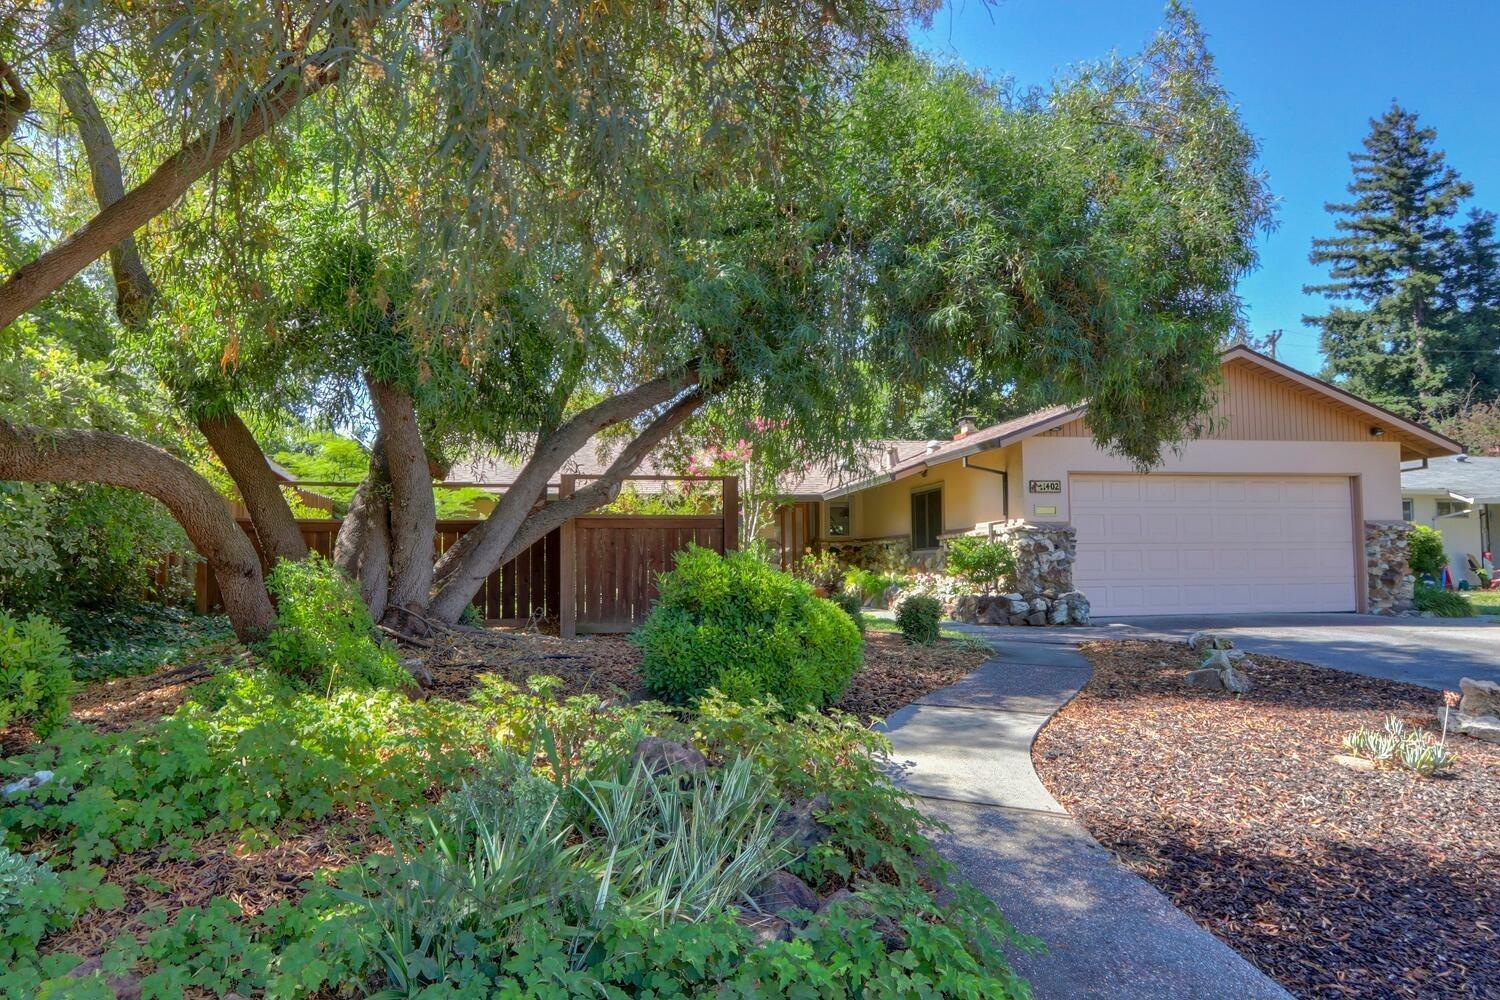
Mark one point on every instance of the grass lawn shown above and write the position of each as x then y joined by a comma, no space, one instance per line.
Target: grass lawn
1486,602
528,824
1336,882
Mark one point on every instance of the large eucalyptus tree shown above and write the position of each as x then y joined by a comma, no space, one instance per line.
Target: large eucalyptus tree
516,226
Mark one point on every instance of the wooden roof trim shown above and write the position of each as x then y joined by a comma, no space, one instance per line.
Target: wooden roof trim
1441,444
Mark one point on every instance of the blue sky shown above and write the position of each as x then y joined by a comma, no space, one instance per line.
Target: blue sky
1308,77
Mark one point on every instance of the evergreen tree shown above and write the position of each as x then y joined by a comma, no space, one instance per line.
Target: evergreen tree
1468,340
1388,263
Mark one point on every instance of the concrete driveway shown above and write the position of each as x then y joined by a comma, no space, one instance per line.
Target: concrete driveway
1432,652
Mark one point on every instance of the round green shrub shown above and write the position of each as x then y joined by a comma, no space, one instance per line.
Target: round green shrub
918,617
36,673
1425,553
734,623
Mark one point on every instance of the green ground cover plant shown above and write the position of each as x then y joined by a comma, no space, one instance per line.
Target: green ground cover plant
35,673
735,623
556,864
323,636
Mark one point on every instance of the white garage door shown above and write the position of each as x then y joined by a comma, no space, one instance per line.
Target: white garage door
1170,544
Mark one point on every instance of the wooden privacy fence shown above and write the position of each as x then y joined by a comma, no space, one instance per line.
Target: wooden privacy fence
596,573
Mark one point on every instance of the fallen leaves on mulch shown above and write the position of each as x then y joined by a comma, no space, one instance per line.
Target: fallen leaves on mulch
1337,883
894,673
159,883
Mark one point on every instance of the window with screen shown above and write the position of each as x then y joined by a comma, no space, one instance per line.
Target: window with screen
838,519
926,518
1408,510
1450,508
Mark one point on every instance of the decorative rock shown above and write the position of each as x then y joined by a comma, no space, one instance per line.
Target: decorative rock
1207,678
891,934
1478,714
799,827
966,609
1217,659
1479,698
1037,618
764,927
27,784
994,614
1235,681
1354,763
1199,641
782,892
664,756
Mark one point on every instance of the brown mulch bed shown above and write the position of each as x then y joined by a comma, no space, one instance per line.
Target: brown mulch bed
161,882
1335,882
894,673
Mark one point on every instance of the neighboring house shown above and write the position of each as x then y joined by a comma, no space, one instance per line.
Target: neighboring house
308,498
1272,510
1459,496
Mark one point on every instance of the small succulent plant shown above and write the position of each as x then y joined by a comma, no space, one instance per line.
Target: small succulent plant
1397,745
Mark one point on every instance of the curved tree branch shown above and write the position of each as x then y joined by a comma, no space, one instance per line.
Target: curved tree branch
30,454
469,572
456,570
135,294
606,487
166,185
236,447
15,101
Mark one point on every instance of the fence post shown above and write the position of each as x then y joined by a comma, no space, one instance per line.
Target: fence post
731,505
201,599
567,570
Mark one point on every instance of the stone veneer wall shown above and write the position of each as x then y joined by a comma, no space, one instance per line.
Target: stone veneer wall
1389,576
1044,554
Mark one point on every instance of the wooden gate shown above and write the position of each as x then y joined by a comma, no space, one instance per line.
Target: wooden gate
610,562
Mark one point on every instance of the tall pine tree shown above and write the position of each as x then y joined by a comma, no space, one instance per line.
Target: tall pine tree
1388,263
1468,340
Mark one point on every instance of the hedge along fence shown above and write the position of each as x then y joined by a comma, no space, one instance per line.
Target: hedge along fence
597,573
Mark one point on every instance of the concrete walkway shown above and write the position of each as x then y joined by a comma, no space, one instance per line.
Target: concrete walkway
966,750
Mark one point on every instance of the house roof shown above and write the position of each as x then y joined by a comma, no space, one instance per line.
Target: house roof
1416,441
807,483
984,439
591,460
1474,478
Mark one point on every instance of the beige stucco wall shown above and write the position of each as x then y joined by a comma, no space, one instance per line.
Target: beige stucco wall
1376,463
970,496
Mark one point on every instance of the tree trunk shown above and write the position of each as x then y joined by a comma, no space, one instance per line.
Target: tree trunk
134,291
29,454
166,185
413,514
231,440
468,571
363,546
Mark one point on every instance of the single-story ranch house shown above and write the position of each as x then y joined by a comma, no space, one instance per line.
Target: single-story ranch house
1459,496
1291,501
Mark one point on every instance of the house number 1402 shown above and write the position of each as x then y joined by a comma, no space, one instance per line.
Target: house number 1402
1045,485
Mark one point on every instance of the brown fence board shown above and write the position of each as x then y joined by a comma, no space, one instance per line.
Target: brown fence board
595,574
